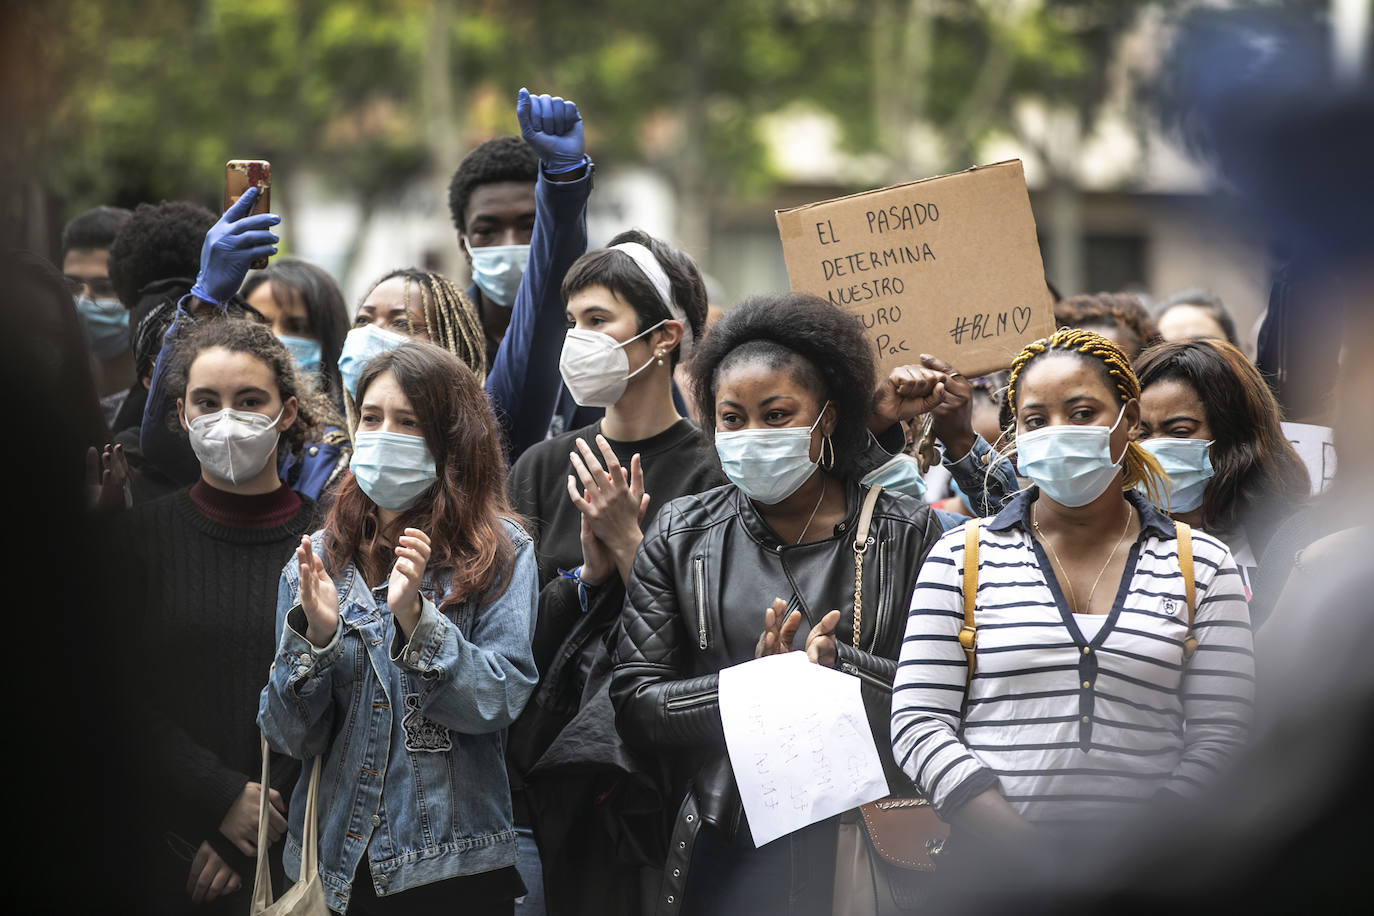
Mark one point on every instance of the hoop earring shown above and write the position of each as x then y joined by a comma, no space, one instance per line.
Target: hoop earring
826,445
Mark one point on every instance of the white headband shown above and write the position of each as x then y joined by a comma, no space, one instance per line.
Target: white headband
658,279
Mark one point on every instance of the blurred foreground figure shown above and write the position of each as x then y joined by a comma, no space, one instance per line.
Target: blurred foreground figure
1287,831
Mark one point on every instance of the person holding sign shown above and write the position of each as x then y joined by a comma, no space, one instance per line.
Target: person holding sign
1054,701
1208,416
765,564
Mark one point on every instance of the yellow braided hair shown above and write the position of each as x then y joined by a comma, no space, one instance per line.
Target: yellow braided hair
451,319
1141,467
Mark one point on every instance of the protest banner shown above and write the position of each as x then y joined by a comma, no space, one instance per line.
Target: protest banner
948,266
1315,447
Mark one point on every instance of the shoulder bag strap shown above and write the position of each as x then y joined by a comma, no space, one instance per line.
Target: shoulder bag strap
968,635
262,881
310,853
1185,566
860,548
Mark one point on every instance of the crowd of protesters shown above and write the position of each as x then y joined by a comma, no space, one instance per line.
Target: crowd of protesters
465,565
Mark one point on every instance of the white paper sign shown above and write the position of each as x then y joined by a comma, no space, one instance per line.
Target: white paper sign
1313,445
799,743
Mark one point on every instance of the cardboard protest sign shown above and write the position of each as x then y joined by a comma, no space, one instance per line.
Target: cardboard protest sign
948,266
1314,446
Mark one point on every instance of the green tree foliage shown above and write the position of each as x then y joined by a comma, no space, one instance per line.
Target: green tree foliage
156,94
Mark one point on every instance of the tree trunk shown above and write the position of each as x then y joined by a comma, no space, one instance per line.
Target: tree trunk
1066,267
692,170
900,50
1061,154
443,133
368,198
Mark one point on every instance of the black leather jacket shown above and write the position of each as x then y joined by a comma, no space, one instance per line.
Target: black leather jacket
708,568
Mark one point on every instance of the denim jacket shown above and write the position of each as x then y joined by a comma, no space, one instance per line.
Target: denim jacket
413,733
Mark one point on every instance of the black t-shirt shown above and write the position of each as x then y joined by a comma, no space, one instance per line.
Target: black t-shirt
674,464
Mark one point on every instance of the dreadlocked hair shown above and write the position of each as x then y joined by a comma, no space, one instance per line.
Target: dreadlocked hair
451,320
1141,467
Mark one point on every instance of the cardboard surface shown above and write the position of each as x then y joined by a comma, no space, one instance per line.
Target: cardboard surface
948,266
1316,446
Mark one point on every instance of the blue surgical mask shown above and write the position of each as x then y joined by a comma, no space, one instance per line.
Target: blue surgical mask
1188,462
107,325
361,345
304,351
902,474
393,469
768,465
1072,464
497,269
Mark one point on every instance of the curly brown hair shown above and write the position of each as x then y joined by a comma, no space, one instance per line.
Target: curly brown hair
239,335
1120,311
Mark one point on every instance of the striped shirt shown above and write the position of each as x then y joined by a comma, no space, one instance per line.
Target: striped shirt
1067,726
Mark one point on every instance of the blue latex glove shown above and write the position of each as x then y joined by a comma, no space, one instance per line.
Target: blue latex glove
553,129
231,246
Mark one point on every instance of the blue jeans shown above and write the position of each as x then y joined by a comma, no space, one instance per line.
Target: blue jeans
531,872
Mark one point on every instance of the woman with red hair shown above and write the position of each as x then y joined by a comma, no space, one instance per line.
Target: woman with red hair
404,651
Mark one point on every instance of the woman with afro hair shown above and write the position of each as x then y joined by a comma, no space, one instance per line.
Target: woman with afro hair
785,386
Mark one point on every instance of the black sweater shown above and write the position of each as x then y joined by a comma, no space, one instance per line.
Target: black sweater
204,566
674,463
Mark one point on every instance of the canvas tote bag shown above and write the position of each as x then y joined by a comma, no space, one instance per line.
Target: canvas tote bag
306,896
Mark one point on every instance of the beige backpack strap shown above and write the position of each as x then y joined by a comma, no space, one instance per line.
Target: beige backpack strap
861,548
968,635
1185,566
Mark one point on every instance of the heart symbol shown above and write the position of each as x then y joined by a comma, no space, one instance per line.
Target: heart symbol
1021,318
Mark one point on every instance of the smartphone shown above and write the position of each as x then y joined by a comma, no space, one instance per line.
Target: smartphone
239,176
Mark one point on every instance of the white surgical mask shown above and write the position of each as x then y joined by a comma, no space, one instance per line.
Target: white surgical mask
1188,462
595,368
902,474
393,469
768,465
234,445
361,345
497,269
1072,464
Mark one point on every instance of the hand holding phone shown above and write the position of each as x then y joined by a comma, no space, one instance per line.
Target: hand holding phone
234,243
239,176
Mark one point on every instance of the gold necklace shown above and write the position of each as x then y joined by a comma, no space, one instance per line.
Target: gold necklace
1073,599
813,512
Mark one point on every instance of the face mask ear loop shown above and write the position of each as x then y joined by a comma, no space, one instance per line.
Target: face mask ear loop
621,346
824,407
646,365
650,356
1119,414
